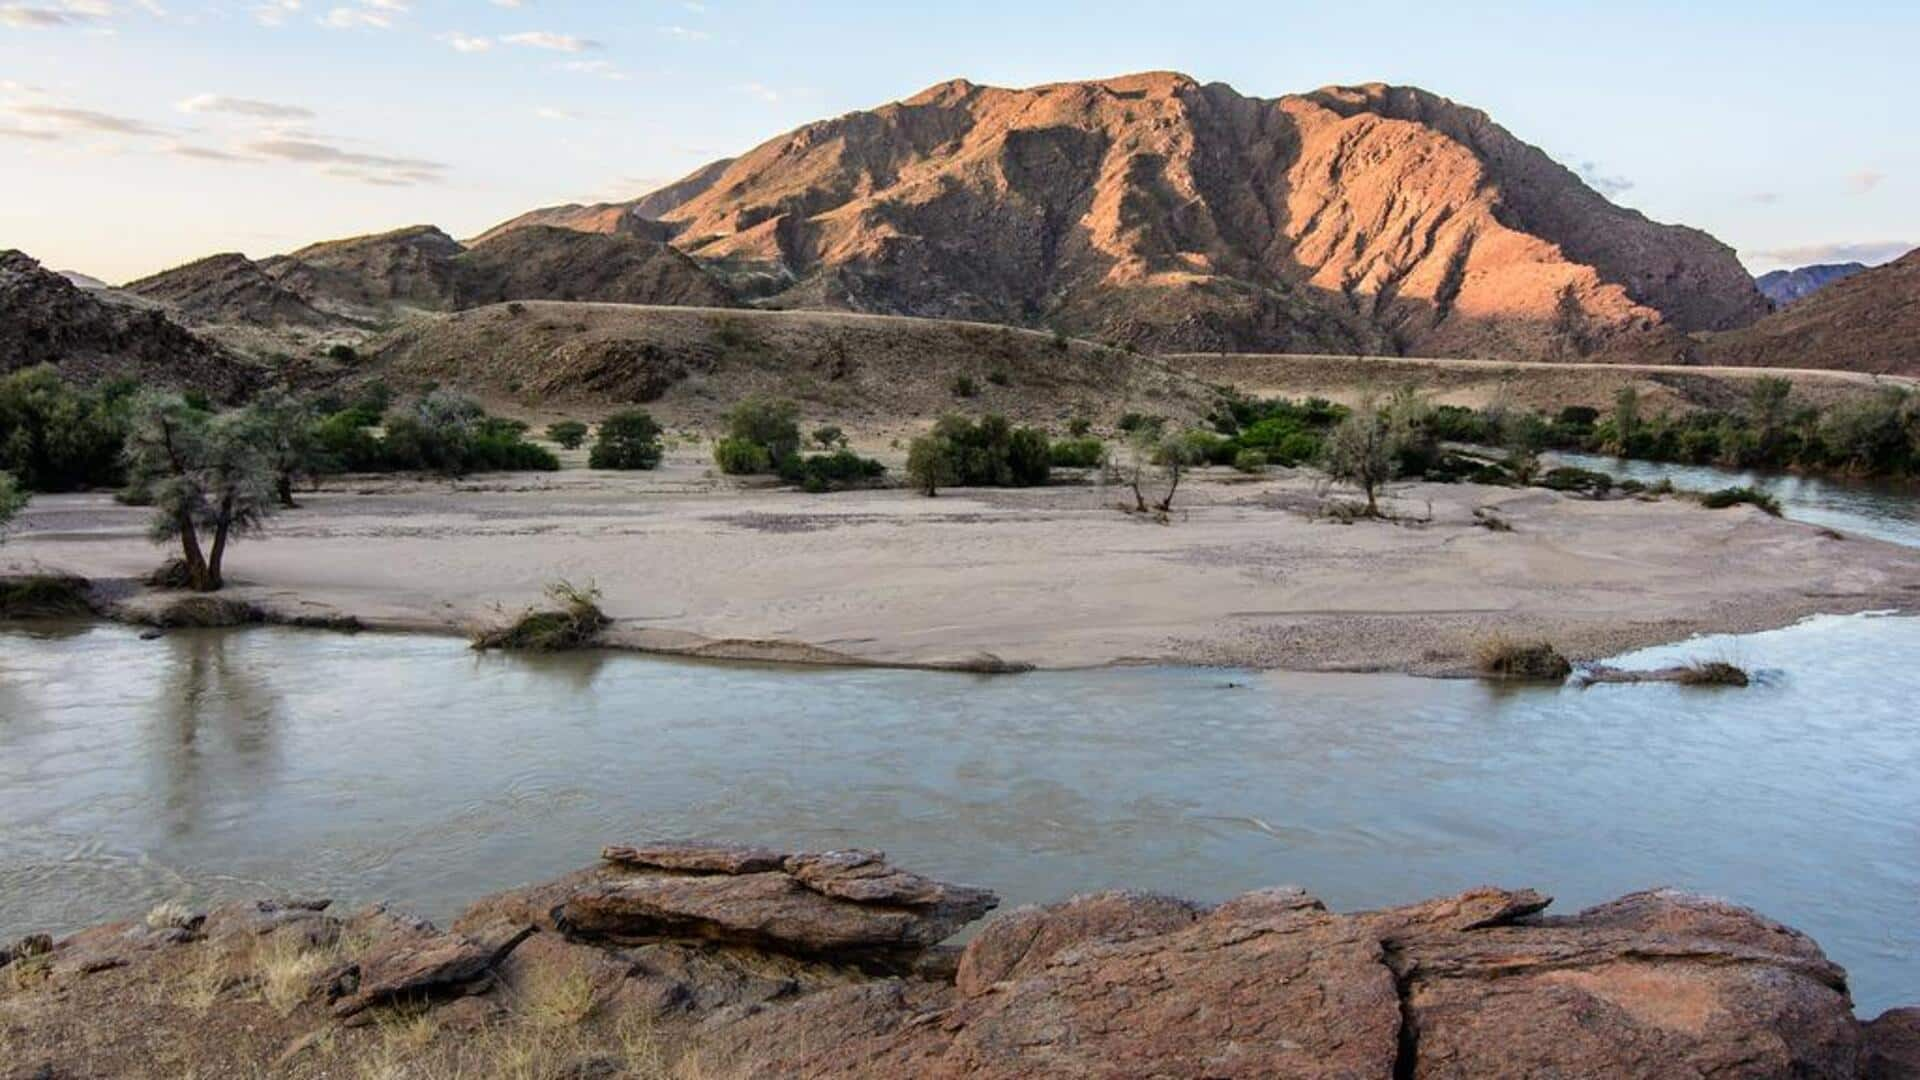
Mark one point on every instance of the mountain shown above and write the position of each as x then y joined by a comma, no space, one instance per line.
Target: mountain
1868,322
46,319
367,279
637,216
1784,287
1157,211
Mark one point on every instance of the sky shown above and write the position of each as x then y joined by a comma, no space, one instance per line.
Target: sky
139,134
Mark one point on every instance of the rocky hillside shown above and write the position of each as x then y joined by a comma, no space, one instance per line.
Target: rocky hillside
1155,210
1869,322
1785,287
46,319
683,959
693,363
370,279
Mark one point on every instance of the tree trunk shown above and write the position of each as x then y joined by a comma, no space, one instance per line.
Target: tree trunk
212,579
196,563
1173,485
1373,508
283,487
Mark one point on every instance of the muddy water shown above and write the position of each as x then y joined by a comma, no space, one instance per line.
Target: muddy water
218,764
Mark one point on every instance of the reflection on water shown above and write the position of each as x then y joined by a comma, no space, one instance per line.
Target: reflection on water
1885,510
210,764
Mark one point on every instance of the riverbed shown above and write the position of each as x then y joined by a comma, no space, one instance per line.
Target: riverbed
407,768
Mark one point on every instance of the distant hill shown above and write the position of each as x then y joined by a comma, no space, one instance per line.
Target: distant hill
370,279
1785,287
1159,211
46,319
1868,322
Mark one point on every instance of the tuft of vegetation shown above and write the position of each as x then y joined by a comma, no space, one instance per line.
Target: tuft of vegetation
626,440
567,434
1363,450
1736,496
1489,519
1079,427
1577,481
201,612
574,623
12,501
58,437
1084,452
343,353
1712,673
999,377
989,452
830,437
837,471
761,434
1250,461
963,386
45,596
1501,657
740,457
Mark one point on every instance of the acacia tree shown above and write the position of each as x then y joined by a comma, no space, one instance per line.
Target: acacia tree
1151,451
1362,451
206,473
284,426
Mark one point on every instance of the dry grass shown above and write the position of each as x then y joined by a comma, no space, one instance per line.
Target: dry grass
576,624
557,999
287,970
1502,657
1712,673
171,915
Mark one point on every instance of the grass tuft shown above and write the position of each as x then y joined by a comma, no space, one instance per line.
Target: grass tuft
1502,657
1712,673
575,624
1734,496
45,596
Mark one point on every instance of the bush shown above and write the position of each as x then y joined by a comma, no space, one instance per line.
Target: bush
1297,448
343,353
989,452
1502,657
1735,496
57,437
1250,461
575,624
1198,447
999,378
1077,453
1712,673
828,436
830,472
626,440
963,387
568,433
1079,426
45,596
773,426
741,457
1579,481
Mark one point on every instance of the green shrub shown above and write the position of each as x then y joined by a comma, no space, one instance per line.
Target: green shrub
568,433
830,472
1297,448
575,623
989,452
1077,453
626,440
57,437
1735,496
1502,657
963,387
1250,461
773,426
45,596
1578,481
1200,447
828,436
343,353
12,501
741,457
1079,426
999,377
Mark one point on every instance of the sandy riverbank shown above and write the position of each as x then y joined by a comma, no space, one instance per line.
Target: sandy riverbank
1053,577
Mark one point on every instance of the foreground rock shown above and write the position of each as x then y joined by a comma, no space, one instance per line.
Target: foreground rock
690,959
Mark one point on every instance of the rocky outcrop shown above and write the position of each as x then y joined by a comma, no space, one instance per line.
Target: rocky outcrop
46,319
1785,287
1868,322
228,288
544,263
752,961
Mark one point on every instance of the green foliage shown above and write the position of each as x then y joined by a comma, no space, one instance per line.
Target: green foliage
1297,448
772,426
989,452
206,474
568,434
1079,426
829,436
1577,481
741,457
999,377
830,472
626,440
12,500
575,622
343,353
45,596
963,387
1362,450
1077,453
56,437
1250,461
1736,496
1134,423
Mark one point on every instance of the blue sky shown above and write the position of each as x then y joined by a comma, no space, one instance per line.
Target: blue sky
137,134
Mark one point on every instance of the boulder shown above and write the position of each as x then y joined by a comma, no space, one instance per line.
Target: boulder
1892,1045
1023,940
409,968
696,857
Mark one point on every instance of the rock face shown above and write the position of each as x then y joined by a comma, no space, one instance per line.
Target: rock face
46,319
1785,287
229,288
749,961
1868,322
1156,210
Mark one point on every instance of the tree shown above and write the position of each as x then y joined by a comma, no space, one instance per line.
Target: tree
12,501
1769,401
930,463
206,474
626,440
1170,456
774,426
285,430
568,433
1360,450
1570,322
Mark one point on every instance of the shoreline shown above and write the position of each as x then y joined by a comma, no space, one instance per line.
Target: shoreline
1052,578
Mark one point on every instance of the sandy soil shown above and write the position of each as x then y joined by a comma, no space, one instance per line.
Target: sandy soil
1053,577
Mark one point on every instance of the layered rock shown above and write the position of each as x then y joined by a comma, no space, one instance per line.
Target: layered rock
1867,322
227,288
751,961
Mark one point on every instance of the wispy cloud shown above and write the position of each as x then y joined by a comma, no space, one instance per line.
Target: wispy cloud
685,33
760,90
275,12
7,131
1870,252
605,69
374,168
1865,180
1598,180
369,15
467,43
247,107
53,15
1764,198
548,112
546,39
60,119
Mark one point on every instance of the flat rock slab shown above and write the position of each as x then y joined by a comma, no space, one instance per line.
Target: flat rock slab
442,965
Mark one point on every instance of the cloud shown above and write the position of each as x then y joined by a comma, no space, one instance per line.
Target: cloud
38,134
346,18
275,12
1871,252
467,43
1764,198
685,33
547,112
606,69
63,119
544,39
506,3
46,17
1865,180
354,164
1609,186
760,90
203,153
248,107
